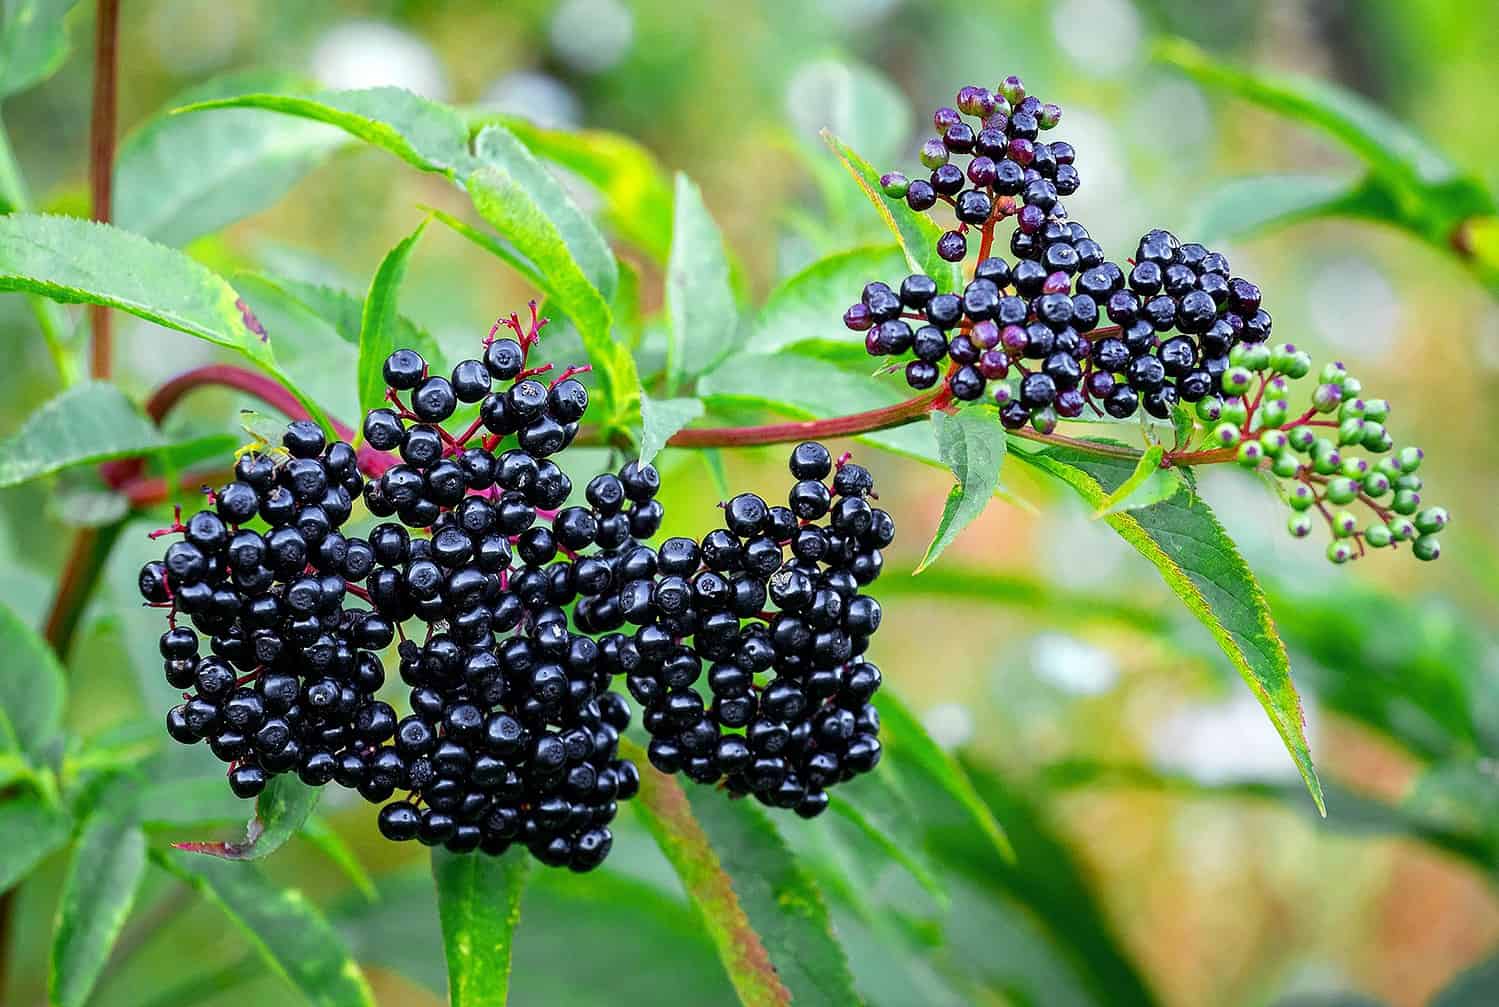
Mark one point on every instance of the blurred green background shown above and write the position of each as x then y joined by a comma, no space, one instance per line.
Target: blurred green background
1071,659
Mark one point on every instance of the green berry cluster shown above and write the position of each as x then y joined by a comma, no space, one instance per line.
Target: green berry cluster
1334,457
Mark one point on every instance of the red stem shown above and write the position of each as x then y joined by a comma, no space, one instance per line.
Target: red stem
101,162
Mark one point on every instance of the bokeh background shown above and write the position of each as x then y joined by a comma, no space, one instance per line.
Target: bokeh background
1041,646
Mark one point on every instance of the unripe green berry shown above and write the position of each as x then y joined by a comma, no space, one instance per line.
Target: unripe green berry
1251,454
895,184
1302,439
1301,365
1339,551
1299,525
1376,484
1376,437
1049,116
1431,520
1354,467
1351,408
1326,398
1251,356
1325,457
1412,482
1236,380
1377,536
1352,386
1274,413
1013,89
1406,502
1377,410
1209,408
933,153
1286,465
1281,355
1390,467
1235,411
1333,373
1342,490
1426,548
1344,524
1274,441
1351,431
1403,529
1410,458
1300,497
1044,420
1226,435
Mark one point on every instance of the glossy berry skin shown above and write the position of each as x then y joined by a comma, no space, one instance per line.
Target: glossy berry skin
404,369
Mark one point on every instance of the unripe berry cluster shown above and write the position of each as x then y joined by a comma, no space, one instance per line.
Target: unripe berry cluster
1009,169
787,712
1334,456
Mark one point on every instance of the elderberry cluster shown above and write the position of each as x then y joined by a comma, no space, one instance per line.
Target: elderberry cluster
787,714
289,683
1010,170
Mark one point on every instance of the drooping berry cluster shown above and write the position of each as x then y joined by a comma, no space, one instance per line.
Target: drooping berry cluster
1010,171
289,683
787,713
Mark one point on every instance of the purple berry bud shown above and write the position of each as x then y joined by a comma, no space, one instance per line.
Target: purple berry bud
985,334
952,246
1014,339
1013,89
1069,403
1057,283
1030,105
858,318
945,117
1031,218
968,100
1022,151
1100,383
981,172
1049,116
1063,152
993,364
1327,397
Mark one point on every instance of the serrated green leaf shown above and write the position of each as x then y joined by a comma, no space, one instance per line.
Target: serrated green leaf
920,765
379,332
33,42
1182,538
702,318
1123,496
290,934
781,901
31,691
806,306
82,262
177,178
971,442
665,808
478,900
103,879
90,422
423,133
282,807
637,196
660,419
34,829
916,232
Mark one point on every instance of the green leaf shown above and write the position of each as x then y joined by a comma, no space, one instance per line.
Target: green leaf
177,178
31,690
522,176
33,42
660,419
379,331
287,931
90,422
280,810
331,845
1182,538
502,250
805,306
637,196
1242,206
1130,494
103,879
920,766
971,442
81,262
34,829
779,898
876,806
340,310
665,809
702,318
423,133
478,899
916,232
